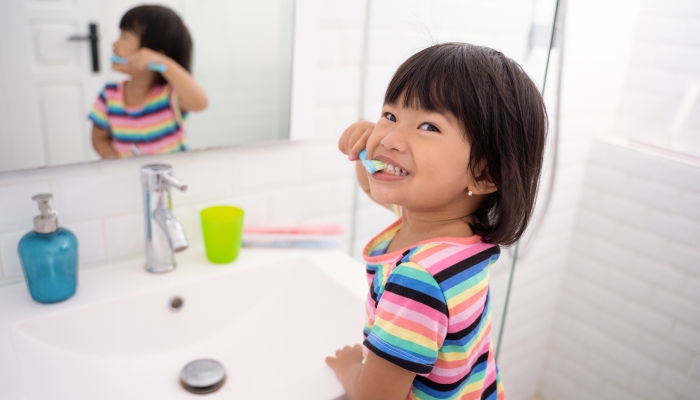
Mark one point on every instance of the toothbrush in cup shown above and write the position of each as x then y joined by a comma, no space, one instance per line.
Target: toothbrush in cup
157,67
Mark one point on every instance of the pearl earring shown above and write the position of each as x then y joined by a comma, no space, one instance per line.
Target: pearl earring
469,193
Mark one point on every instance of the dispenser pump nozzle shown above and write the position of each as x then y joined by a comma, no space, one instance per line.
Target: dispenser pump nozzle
47,222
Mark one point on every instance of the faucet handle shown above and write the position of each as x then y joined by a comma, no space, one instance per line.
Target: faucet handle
174,182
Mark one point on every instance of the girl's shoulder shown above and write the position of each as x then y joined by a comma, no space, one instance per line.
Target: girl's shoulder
442,253
447,263
113,89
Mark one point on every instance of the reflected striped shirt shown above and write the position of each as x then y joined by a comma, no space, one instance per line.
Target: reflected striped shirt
151,127
429,311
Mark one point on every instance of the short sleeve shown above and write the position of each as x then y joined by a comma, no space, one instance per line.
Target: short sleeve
98,113
174,101
411,320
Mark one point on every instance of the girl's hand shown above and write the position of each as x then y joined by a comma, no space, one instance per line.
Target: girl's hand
143,57
344,358
354,139
376,379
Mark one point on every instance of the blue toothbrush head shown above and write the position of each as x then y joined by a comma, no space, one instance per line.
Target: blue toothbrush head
372,166
118,60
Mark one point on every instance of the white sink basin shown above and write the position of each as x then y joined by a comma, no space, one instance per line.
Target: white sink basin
270,323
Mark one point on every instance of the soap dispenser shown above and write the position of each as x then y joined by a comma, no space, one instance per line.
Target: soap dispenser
49,256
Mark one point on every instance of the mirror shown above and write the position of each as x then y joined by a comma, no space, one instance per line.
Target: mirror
55,59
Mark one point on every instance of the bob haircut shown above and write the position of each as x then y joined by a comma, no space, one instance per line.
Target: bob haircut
160,29
502,116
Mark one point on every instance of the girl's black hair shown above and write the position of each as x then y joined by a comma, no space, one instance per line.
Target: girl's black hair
160,29
502,116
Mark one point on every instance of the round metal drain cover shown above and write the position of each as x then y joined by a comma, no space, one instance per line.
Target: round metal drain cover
203,376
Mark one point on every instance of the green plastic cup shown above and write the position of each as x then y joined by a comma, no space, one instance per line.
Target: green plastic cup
222,227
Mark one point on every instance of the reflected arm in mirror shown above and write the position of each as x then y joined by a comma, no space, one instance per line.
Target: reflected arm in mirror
376,379
191,96
102,143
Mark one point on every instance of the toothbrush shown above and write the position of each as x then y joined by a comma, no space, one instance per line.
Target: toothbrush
157,67
372,166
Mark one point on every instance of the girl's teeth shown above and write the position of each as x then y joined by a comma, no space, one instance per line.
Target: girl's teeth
391,169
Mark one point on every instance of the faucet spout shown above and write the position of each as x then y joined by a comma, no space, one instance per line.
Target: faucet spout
173,230
164,234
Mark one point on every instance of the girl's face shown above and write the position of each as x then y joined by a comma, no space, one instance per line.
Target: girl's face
128,43
431,148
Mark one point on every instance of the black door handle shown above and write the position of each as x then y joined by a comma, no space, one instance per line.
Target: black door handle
92,37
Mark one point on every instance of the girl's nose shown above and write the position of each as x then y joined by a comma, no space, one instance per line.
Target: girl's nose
394,139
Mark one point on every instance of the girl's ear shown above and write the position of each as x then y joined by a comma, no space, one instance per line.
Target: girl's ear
483,184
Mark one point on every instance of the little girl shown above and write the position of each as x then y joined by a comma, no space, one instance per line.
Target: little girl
462,132
144,115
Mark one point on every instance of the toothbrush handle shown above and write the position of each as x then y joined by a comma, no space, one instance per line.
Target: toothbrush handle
157,67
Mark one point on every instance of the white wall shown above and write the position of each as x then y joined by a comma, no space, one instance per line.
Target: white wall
661,96
628,316
288,183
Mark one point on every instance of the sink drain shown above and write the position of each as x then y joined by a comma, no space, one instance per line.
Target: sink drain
175,304
202,376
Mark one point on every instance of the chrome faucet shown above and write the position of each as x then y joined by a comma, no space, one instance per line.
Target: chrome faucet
164,235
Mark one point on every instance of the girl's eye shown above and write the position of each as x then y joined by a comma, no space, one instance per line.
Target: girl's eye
429,127
390,116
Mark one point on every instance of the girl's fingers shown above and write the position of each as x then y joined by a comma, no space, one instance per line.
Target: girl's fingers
352,143
360,144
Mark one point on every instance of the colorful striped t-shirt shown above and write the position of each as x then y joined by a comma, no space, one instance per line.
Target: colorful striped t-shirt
150,127
429,312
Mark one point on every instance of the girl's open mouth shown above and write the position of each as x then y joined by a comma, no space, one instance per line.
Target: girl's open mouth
391,173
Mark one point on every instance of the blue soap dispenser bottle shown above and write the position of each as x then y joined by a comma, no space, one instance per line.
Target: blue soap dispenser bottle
49,256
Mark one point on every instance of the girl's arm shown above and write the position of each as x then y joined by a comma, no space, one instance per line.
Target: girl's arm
376,379
190,95
102,143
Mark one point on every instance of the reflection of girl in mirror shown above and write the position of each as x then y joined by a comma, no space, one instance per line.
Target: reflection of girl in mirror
144,115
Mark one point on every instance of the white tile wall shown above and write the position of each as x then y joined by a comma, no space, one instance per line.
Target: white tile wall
641,311
665,65
626,310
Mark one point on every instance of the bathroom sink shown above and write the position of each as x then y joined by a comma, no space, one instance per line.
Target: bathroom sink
270,324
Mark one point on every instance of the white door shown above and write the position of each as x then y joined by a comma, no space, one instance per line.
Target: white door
46,82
